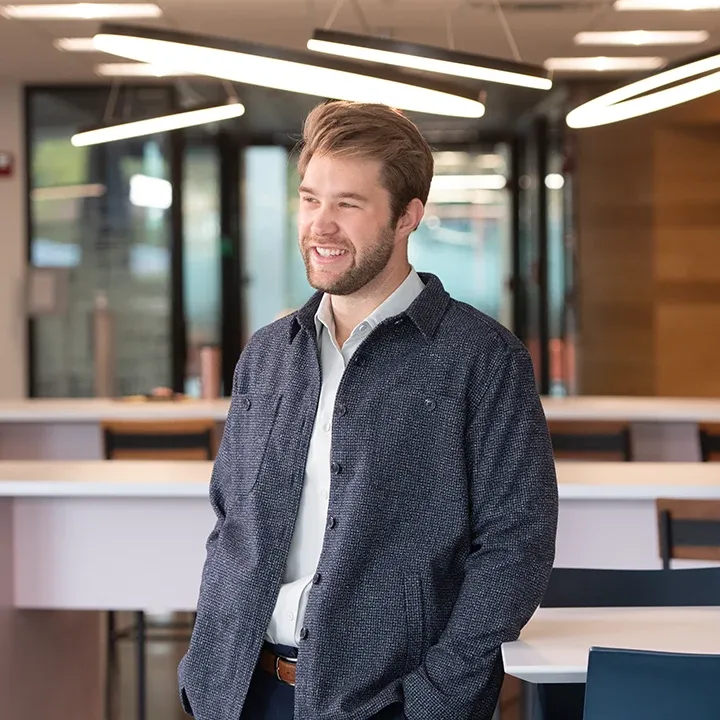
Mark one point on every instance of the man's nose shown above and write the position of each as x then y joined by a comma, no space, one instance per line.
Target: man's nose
324,222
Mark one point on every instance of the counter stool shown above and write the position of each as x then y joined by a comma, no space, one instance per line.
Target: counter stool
688,529
150,440
710,441
591,441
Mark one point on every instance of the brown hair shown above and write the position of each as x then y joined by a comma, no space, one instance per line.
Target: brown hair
375,132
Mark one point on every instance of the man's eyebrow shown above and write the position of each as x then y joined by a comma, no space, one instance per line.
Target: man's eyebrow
340,195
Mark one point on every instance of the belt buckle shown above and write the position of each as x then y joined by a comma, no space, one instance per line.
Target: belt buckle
277,668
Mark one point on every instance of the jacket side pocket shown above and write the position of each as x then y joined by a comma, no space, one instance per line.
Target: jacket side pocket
415,617
185,702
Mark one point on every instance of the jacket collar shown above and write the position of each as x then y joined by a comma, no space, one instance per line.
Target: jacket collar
426,312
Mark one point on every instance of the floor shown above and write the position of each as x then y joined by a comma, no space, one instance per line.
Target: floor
162,658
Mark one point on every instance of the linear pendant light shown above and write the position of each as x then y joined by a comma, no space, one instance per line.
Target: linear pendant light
291,70
656,92
429,59
163,123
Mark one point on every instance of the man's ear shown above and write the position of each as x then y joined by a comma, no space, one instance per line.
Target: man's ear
411,218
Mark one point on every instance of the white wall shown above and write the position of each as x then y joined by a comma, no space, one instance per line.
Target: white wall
12,246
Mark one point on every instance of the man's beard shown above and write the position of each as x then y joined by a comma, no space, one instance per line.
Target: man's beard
359,274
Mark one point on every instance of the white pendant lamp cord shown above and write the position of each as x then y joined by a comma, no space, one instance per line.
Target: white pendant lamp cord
508,32
358,12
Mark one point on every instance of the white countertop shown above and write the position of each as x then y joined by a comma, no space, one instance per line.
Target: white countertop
554,646
582,407
102,478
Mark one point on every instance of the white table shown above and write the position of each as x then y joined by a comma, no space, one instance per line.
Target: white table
81,536
554,646
661,428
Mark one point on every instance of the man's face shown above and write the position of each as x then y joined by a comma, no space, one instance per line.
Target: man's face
344,228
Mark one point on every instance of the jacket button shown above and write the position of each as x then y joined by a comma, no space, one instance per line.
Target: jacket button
304,633
340,410
331,523
336,468
246,403
316,579
430,404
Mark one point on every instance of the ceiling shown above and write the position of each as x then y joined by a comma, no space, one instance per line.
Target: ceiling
540,28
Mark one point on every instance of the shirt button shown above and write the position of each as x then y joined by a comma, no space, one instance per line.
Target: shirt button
324,494
304,633
316,579
328,427
336,468
331,523
291,616
340,410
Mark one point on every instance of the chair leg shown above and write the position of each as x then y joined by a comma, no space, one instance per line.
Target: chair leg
110,665
141,674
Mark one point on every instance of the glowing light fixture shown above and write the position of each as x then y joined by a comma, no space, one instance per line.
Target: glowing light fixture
82,11
666,5
468,182
138,70
643,37
290,70
77,44
163,123
603,64
657,92
428,58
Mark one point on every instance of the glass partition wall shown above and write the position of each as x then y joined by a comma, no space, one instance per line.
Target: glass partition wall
191,239
103,213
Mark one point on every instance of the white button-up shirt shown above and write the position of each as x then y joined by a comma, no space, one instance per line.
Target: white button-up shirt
306,546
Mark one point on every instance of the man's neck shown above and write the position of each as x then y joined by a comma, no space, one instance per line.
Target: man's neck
350,310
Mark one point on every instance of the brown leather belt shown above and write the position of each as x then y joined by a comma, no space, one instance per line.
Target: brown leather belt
281,667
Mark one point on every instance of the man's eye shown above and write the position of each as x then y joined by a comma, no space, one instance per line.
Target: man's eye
309,200
347,205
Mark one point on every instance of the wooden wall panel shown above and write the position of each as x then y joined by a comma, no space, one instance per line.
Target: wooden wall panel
615,213
688,342
649,254
687,262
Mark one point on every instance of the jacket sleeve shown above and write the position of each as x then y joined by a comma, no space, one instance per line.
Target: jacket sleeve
513,490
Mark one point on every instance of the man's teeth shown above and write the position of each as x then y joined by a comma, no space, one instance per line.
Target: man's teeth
325,252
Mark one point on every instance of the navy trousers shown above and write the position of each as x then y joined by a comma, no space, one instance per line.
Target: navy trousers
270,699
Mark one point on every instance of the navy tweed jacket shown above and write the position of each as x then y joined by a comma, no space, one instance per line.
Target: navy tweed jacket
440,534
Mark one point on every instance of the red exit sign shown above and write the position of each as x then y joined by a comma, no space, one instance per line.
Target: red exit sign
6,164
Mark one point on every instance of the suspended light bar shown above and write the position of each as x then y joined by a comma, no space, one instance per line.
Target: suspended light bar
117,69
646,96
428,59
152,126
291,70
82,11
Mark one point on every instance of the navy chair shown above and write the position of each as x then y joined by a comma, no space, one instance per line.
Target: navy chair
582,587
642,685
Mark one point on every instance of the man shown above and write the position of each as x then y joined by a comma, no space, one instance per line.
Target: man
385,486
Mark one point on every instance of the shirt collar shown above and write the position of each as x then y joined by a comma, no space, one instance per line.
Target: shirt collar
425,311
398,302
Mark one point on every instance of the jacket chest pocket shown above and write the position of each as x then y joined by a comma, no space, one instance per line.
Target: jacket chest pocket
420,446
251,421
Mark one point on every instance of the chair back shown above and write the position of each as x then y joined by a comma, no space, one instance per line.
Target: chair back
633,684
588,587
710,441
165,440
591,441
688,529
